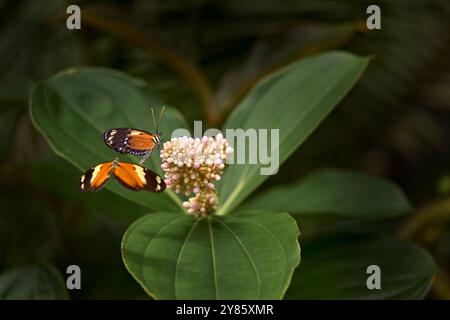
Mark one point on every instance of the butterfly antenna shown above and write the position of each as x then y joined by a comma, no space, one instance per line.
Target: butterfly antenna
153,116
160,116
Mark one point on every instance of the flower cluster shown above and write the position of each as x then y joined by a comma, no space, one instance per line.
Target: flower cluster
192,165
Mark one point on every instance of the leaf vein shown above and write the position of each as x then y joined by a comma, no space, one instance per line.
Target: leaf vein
179,255
255,269
213,259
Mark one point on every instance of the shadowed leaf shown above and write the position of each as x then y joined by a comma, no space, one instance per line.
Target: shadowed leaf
340,193
36,282
335,267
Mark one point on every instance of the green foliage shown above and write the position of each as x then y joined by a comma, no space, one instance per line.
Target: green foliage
245,255
206,62
34,282
53,175
334,267
75,107
99,102
294,100
339,193
249,255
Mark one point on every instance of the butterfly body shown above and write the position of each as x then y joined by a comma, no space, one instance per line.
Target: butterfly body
129,175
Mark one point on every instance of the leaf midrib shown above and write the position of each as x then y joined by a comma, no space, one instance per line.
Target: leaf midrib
213,256
246,172
244,248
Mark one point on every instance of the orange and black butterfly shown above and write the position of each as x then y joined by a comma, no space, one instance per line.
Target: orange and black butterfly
130,175
134,141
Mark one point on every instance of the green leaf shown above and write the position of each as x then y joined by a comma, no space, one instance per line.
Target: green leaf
75,107
53,174
250,255
294,100
335,267
263,57
340,193
35,282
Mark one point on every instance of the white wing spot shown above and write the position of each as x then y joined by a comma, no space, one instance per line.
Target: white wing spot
141,173
96,171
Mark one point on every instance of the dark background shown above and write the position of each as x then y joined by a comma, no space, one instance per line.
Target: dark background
202,57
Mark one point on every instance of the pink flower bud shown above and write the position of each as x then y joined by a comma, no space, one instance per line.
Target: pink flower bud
191,166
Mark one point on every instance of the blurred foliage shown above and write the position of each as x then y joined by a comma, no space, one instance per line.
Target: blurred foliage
337,193
406,269
203,56
35,282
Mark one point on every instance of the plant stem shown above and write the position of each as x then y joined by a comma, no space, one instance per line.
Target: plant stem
308,50
441,287
436,212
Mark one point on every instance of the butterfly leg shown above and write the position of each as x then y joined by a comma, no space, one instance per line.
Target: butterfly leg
145,157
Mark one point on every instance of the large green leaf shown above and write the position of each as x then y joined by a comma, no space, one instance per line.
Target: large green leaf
75,107
250,255
335,267
294,100
35,282
339,193
53,174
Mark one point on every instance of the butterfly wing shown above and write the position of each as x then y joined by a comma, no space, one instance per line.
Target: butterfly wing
127,140
136,177
95,178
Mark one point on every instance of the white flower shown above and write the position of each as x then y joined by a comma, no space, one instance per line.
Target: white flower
202,204
192,165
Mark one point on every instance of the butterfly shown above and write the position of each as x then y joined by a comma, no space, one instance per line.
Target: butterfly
130,175
134,141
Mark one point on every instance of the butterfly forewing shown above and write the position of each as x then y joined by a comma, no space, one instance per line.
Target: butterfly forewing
95,178
127,140
135,177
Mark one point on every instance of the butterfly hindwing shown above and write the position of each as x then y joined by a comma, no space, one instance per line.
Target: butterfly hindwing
129,175
128,140
153,181
95,178
136,177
